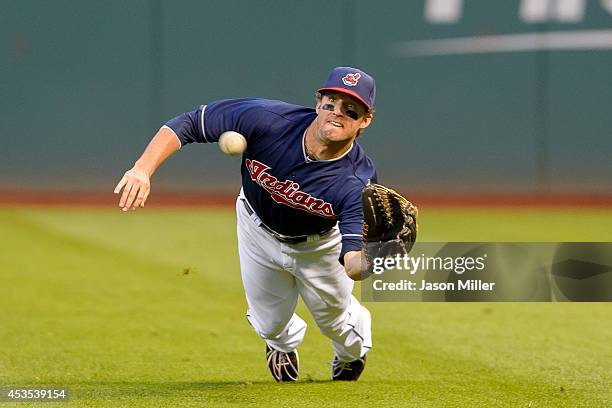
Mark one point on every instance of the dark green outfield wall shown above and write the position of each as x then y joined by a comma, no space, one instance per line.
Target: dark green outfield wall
85,84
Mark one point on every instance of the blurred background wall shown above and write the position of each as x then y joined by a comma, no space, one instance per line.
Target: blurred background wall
473,96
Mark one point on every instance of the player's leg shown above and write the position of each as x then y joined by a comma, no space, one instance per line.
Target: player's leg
272,296
348,325
327,292
271,292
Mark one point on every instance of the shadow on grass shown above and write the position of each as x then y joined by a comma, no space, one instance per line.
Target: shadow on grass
127,389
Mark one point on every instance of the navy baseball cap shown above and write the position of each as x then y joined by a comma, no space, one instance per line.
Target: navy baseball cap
354,82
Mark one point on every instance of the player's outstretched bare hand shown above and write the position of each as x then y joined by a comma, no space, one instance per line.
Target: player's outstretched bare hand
136,186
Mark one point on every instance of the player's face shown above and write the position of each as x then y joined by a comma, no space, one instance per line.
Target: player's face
340,116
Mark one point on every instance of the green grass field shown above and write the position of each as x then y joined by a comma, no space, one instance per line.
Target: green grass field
146,309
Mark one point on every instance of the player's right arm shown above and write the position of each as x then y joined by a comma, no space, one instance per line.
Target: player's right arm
242,115
136,182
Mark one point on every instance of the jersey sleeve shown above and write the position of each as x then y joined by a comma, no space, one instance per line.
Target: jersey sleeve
351,224
350,221
208,122
186,127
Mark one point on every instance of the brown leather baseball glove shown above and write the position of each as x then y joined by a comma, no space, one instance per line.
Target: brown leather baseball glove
389,223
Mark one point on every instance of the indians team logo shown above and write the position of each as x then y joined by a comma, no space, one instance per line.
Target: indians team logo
351,79
288,192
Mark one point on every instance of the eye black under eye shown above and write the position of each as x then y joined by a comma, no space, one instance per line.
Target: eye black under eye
352,114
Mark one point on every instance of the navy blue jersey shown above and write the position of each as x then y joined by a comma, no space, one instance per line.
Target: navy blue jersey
291,194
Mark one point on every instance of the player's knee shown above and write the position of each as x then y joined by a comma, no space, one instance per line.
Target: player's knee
331,331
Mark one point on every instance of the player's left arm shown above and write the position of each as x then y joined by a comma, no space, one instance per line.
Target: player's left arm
355,265
351,228
388,224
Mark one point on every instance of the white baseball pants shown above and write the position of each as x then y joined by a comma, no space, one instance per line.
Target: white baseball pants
274,273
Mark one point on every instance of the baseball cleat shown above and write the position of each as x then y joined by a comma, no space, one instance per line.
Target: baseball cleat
347,371
283,366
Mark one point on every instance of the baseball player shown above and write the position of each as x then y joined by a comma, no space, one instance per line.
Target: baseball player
299,212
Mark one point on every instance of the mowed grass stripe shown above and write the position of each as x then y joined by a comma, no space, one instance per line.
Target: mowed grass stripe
78,299
515,225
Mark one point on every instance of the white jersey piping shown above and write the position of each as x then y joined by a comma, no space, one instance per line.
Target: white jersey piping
202,124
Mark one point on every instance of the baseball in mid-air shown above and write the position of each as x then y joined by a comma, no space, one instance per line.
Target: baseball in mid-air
232,143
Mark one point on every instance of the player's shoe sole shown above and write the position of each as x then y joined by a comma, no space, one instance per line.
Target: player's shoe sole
347,371
284,367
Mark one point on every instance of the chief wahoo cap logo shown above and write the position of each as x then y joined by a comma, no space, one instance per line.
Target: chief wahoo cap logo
351,79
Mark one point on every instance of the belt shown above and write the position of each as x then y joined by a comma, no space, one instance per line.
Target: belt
285,238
